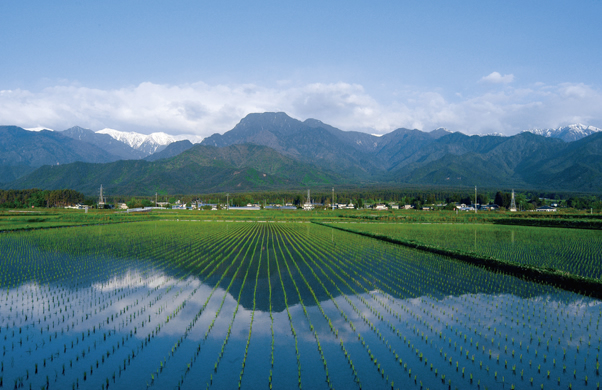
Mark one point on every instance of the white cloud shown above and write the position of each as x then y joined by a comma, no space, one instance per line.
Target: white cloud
497,78
200,109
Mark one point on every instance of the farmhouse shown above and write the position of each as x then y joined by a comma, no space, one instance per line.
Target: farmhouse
546,208
247,207
308,206
77,207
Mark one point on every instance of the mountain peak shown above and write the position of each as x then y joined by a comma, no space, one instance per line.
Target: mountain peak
77,129
148,144
439,132
267,119
568,133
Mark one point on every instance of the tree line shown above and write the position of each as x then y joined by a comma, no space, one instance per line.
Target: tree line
39,198
417,197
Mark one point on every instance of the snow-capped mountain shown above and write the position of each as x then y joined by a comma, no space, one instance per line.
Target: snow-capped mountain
568,133
39,128
148,144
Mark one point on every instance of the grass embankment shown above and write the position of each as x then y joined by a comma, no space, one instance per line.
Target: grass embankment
565,280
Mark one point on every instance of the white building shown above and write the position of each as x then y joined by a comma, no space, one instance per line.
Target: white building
546,208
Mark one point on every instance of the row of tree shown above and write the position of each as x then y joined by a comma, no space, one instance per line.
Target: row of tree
416,197
39,198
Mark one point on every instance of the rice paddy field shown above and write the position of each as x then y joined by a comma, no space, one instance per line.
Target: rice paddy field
226,305
576,251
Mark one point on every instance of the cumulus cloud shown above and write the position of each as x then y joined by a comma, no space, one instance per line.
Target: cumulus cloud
200,109
497,78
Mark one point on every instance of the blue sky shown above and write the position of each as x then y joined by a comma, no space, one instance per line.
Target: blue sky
197,67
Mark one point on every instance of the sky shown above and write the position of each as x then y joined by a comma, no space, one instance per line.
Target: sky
195,67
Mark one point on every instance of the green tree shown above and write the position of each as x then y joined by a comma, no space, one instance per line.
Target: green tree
138,203
483,198
430,199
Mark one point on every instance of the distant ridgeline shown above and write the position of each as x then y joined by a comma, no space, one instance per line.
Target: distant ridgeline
274,152
39,198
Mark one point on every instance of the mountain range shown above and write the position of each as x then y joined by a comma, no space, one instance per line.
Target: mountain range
567,133
274,151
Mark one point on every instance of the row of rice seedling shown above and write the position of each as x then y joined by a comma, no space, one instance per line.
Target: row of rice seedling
371,309
287,256
99,305
376,332
215,262
405,282
229,260
226,339
290,318
572,250
244,360
302,255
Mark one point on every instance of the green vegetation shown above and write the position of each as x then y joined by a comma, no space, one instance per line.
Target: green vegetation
16,199
568,250
53,218
196,170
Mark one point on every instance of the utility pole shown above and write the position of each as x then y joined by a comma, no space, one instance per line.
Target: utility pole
155,199
332,201
101,199
475,199
227,201
513,203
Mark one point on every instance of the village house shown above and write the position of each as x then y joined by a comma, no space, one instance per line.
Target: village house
546,208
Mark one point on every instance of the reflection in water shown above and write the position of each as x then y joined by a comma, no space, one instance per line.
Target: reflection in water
357,313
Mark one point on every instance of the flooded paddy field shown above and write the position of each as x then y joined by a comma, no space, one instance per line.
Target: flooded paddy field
189,305
578,251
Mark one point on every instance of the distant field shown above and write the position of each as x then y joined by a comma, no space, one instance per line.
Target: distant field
226,305
42,218
51,218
